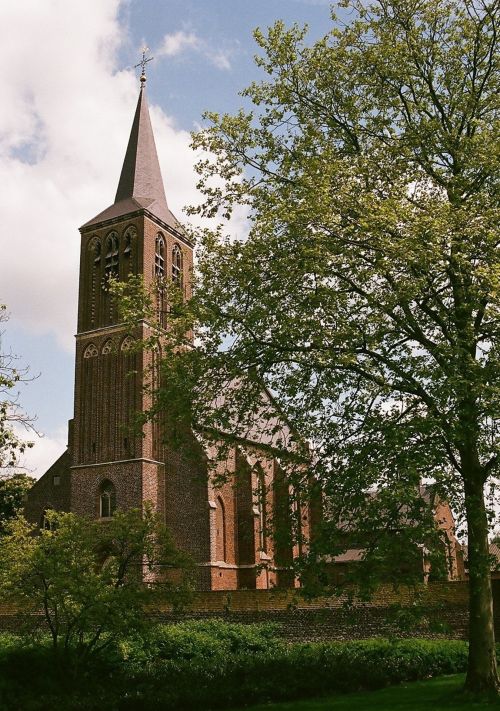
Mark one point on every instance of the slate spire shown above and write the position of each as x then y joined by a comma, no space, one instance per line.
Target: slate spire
140,185
141,175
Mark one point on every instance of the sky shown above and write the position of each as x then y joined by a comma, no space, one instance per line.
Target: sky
69,90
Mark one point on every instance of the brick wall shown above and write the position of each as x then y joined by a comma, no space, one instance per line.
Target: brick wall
441,608
52,491
436,610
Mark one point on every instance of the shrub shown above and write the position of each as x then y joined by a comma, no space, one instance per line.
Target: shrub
215,665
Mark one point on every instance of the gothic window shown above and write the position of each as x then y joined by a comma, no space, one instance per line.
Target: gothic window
262,508
107,499
159,256
107,347
97,253
111,259
90,351
220,530
127,343
177,265
94,267
128,250
45,522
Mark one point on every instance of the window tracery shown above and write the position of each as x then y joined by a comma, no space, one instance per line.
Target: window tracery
159,256
111,261
107,347
107,499
90,351
177,265
128,249
127,343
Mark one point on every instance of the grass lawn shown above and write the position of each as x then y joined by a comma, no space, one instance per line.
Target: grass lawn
441,694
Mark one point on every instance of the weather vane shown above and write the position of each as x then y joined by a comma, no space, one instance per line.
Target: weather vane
142,64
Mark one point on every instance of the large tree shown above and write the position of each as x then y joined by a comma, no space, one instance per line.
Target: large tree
365,296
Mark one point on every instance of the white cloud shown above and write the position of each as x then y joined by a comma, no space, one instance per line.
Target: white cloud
45,451
178,42
221,59
65,117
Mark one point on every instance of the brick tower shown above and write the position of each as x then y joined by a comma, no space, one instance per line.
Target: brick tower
136,235
108,465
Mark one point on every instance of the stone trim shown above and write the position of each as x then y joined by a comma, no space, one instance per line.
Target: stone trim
116,461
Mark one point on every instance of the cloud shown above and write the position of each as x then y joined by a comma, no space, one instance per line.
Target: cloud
65,118
178,42
221,59
45,451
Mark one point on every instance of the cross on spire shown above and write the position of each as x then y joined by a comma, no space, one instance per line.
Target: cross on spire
142,65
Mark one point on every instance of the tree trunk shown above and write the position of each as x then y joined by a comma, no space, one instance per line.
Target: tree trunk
482,673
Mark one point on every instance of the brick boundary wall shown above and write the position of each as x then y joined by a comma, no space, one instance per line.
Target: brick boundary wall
436,610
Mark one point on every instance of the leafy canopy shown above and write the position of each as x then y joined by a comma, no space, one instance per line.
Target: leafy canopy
365,298
88,577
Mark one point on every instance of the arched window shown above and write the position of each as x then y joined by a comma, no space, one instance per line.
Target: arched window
128,250
107,347
262,507
45,522
220,530
107,499
93,275
90,351
159,256
111,259
127,343
177,265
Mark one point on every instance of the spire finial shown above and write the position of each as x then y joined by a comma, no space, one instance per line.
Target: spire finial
142,65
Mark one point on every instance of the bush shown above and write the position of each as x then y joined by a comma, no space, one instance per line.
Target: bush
282,672
214,665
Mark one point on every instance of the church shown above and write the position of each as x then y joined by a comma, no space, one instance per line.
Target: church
229,529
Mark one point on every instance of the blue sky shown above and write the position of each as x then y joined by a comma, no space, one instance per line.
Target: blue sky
69,94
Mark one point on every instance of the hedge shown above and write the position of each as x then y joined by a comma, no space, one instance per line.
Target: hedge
213,665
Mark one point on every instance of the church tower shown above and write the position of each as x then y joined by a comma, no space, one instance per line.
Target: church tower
136,235
227,529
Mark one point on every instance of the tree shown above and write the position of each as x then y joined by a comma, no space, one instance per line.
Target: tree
88,578
11,444
13,490
366,295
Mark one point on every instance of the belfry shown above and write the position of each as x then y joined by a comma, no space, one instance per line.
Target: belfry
107,464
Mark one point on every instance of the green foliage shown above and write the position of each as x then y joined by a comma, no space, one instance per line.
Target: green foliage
13,491
363,307
87,577
203,643
217,665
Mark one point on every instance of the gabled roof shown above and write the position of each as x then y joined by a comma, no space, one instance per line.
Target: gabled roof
494,550
140,186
